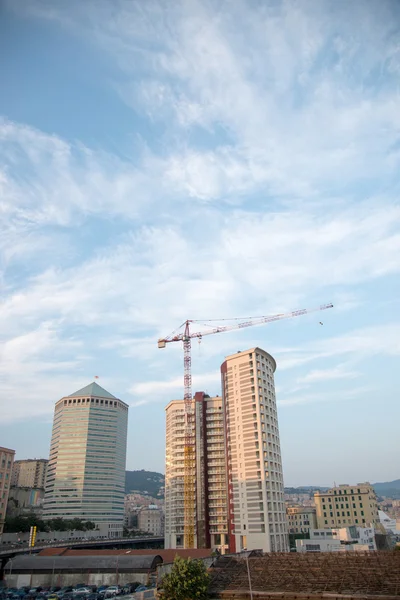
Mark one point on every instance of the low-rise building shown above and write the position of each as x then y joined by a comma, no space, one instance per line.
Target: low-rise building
339,540
301,519
387,523
151,520
6,463
347,505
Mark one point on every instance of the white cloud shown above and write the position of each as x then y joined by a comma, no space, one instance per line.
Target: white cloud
291,127
339,395
321,375
305,71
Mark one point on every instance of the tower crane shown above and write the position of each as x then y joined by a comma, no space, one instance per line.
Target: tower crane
184,335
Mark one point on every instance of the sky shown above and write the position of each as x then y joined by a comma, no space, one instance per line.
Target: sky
163,161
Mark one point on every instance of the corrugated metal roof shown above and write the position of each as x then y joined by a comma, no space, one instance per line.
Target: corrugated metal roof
147,562
166,555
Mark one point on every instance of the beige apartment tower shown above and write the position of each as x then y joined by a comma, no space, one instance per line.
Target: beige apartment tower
256,508
209,474
6,464
30,473
347,505
86,471
301,519
151,520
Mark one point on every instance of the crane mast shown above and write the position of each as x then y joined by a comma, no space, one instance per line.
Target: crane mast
189,448
186,337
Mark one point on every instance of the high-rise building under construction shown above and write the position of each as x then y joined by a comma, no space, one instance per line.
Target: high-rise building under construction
208,474
237,490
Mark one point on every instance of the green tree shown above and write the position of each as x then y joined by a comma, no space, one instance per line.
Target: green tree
188,580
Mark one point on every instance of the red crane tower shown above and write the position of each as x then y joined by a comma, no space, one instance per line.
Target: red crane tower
186,336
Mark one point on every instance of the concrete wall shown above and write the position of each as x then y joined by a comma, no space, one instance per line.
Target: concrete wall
61,579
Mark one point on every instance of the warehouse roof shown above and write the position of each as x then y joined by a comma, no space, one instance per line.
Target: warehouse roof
167,555
104,562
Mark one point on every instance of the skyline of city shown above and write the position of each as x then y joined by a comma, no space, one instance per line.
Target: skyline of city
203,160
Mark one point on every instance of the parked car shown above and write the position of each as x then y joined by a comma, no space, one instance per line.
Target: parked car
81,590
63,591
113,590
141,588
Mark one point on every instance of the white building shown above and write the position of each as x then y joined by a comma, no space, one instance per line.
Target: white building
388,524
339,540
257,514
86,471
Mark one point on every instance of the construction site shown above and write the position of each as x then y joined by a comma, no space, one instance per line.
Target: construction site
310,575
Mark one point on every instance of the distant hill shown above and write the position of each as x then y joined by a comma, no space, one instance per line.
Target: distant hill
391,489
145,482
304,489
152,484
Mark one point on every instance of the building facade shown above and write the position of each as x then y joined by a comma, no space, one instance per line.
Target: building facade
23,500
30,473
86,471
151,520
347,505
6,463
301,519
209,474
359,539
257,513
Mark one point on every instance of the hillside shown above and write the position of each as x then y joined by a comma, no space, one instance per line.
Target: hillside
152,484
146,482
390,489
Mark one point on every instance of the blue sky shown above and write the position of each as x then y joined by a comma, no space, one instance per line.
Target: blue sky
169,160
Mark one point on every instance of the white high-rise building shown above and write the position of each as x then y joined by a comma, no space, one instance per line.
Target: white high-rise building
209,474
86,470
256,507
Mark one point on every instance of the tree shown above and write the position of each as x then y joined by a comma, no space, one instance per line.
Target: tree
188,580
